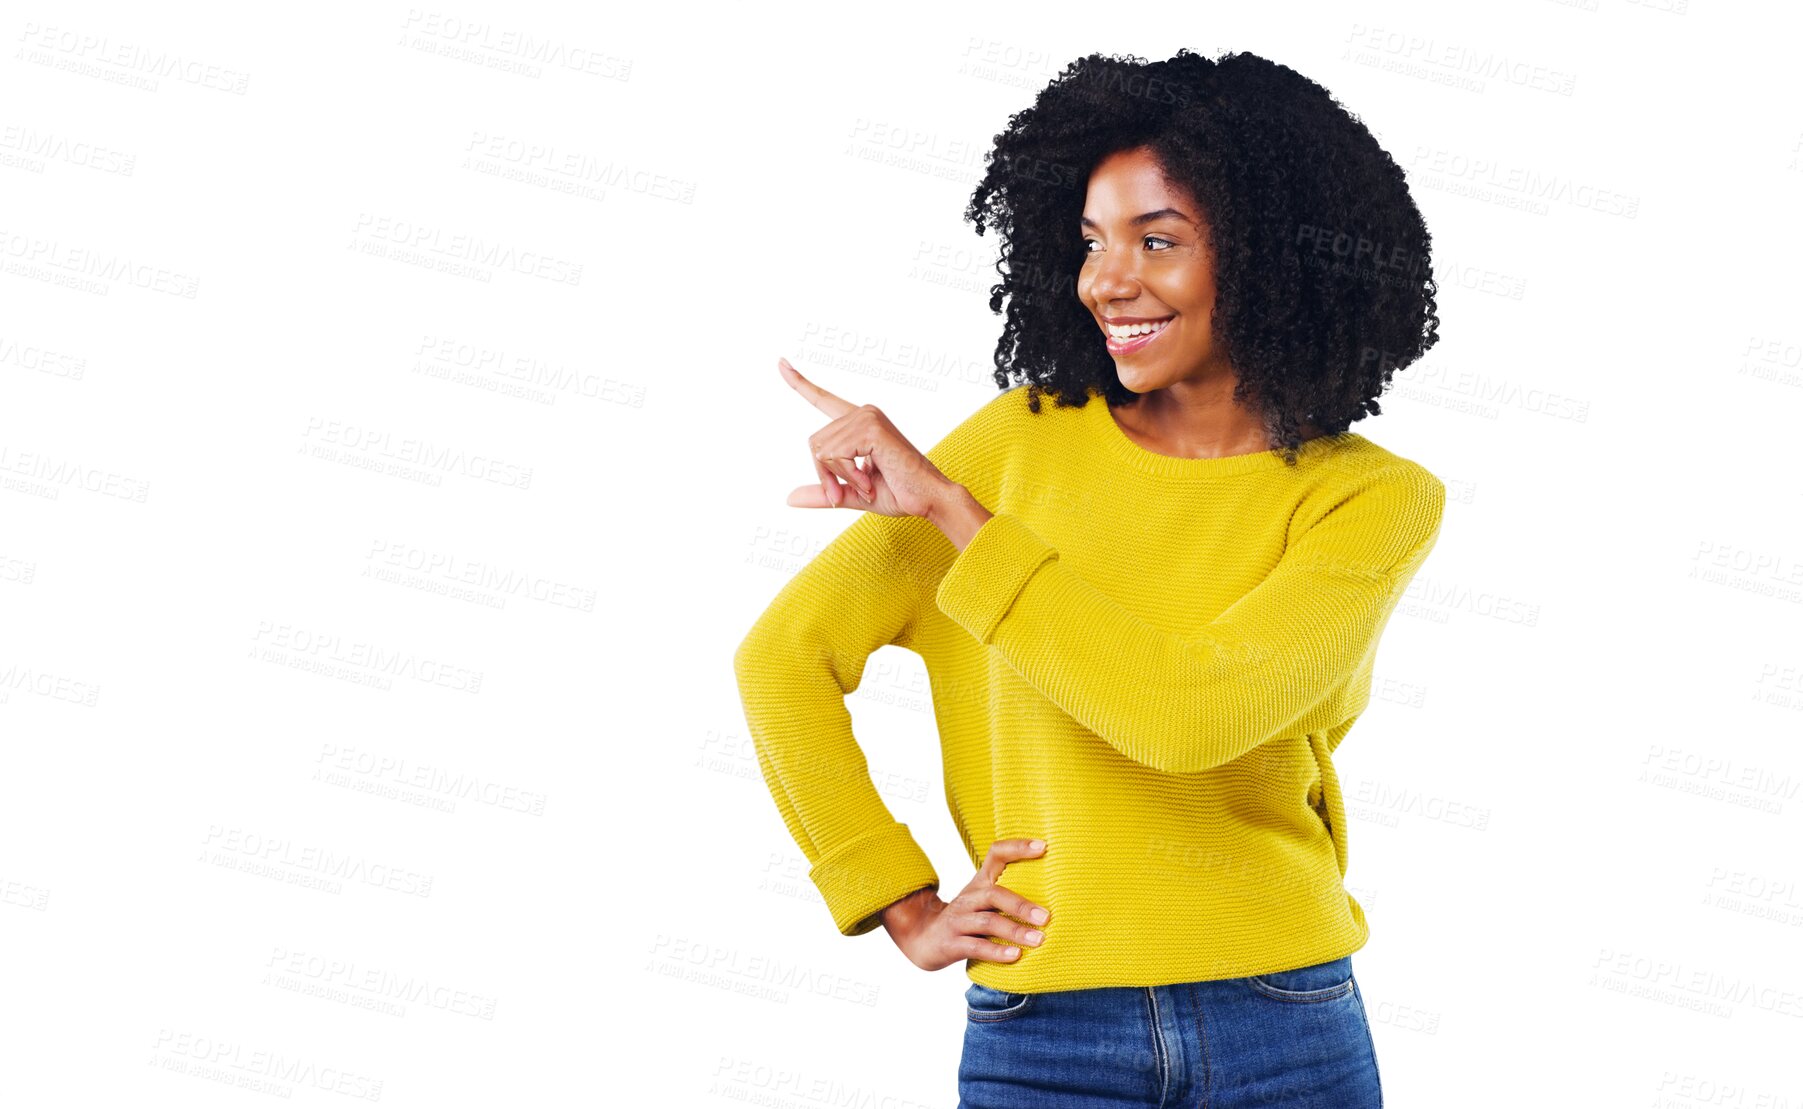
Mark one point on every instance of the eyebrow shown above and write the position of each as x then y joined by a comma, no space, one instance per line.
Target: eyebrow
1148,217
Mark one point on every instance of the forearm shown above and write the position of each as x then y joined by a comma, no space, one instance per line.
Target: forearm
795,667
1185,703
1177,703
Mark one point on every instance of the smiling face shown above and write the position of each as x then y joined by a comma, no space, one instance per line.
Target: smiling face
1146,262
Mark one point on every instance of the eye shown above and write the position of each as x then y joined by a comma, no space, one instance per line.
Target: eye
1149,238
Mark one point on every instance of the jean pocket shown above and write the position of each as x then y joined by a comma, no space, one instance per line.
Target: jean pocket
983,1003
1327,981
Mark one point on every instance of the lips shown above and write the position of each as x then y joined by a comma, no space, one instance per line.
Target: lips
1123,347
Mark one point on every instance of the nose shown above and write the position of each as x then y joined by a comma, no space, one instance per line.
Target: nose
1113,276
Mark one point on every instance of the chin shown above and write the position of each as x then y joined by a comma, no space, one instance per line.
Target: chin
1134,381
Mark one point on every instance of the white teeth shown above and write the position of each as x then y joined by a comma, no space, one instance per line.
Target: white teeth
1128,331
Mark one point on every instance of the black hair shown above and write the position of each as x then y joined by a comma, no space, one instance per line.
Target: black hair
1324,284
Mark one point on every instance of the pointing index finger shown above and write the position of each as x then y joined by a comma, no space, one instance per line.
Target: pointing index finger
828,403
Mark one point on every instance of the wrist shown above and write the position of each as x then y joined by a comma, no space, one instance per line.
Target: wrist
958,515
900,913
950,497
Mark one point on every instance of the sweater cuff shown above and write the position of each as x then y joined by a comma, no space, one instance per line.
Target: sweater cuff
869,874
981,584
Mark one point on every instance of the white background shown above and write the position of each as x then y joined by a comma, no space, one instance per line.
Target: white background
392,455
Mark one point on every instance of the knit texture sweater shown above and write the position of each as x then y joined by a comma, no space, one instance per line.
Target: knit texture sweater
1147,661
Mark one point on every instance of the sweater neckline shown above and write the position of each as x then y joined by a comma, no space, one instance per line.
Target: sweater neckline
1104,426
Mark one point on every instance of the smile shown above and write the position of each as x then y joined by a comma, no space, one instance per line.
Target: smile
1130,340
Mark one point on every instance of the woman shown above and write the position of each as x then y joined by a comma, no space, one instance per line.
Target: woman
1148,611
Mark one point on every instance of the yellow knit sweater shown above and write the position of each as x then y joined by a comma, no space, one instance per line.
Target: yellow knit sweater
1145,660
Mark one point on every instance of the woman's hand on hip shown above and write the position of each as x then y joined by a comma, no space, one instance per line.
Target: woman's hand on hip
896,480
934,934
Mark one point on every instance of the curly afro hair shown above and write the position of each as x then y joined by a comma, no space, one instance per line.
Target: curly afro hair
1324,285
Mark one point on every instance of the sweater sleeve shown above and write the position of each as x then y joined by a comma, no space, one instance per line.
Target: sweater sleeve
1184,704
808,650
794,668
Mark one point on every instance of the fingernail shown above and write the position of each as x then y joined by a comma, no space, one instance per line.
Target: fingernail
1035,938
1013,951
1038,915
1037,845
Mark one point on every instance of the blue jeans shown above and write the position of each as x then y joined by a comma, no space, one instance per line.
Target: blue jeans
1294,1038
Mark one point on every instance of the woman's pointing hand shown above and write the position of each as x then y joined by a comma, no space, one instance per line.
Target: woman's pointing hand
896,479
